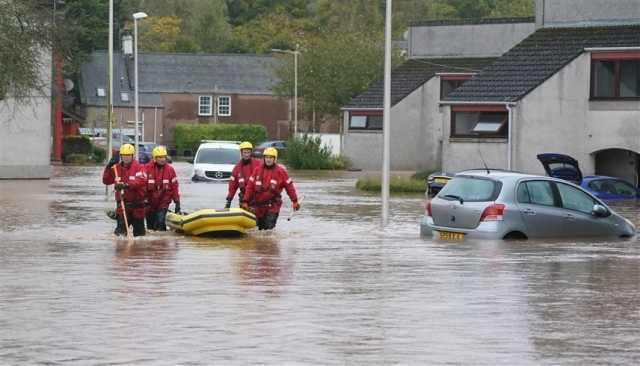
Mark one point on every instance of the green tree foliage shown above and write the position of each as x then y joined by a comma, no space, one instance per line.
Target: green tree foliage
160,33
24,35
273,30
333,68
513,8
188,136
245,11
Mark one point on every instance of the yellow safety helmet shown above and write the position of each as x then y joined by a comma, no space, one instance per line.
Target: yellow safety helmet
246,145
158,151
127,149
270,151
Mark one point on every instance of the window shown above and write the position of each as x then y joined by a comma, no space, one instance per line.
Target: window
365,122
124,96
616,187
100,92
536,193
204,105
615,76
224,106
471,189
479,124
574,199
451,82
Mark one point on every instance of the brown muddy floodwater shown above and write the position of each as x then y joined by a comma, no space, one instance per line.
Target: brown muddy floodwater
328,287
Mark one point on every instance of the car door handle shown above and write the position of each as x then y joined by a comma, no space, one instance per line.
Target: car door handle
569,217
528,211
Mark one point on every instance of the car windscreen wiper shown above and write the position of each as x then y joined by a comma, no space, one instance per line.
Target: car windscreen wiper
455,198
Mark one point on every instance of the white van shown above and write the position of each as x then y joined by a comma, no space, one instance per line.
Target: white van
215,160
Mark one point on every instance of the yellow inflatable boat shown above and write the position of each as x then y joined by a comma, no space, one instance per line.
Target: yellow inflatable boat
209,221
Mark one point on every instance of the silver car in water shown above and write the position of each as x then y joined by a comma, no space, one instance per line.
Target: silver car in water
491,204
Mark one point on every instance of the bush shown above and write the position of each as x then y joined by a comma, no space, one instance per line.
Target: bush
98,155
308,153
76,145
188,136
397,184
77,159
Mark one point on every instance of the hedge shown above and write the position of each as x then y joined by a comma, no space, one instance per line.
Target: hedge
189,136
396,184
76,145
309,153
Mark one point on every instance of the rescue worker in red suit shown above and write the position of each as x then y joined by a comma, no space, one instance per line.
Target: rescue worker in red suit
242,172
132,181
162,188
264,190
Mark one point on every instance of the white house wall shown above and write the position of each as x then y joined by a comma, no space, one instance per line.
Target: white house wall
480,40
415,134
571,13
25,141
558,117
468,153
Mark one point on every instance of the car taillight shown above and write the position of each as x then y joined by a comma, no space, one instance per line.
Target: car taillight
428,208
493,213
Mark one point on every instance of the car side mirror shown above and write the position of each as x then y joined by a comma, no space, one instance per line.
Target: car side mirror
600,211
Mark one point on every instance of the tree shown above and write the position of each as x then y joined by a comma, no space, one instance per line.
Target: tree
513,8
473,9
333,68
274,30
26,34
159,33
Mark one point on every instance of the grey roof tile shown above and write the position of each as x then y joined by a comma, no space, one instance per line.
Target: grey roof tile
411,75
178,73
537,58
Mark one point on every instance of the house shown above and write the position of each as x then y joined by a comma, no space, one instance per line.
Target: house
442,55
185,88
26,138
572,87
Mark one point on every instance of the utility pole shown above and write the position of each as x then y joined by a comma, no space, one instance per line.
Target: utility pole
387,117
110,91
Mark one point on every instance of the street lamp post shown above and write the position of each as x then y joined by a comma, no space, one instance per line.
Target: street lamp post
136,16
295,54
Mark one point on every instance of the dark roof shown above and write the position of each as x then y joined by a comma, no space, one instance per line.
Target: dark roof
178,73
437,23
411,75
537,58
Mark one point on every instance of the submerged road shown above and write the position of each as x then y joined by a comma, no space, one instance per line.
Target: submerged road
328,287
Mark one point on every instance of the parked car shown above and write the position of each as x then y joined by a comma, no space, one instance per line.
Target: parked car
279,145
144,151
489,204
436,181
607,188
215,160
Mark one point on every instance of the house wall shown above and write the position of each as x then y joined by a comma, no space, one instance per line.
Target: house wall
267,110
481,40
25,141
558,13
555,117
415,134
559,117
153,118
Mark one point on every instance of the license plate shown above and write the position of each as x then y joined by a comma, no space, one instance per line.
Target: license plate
448,235
441,180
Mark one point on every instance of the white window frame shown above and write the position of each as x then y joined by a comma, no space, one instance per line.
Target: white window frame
220,106
200,105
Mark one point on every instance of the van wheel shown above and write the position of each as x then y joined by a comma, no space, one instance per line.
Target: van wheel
515,235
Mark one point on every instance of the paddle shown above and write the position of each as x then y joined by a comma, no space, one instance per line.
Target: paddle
122,207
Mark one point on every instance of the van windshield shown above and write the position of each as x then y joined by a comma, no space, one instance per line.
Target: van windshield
471,189
218,156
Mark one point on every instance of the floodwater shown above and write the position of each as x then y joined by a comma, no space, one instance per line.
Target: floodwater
328,287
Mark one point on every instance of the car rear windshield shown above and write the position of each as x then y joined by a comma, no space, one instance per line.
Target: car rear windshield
471,189
218,156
